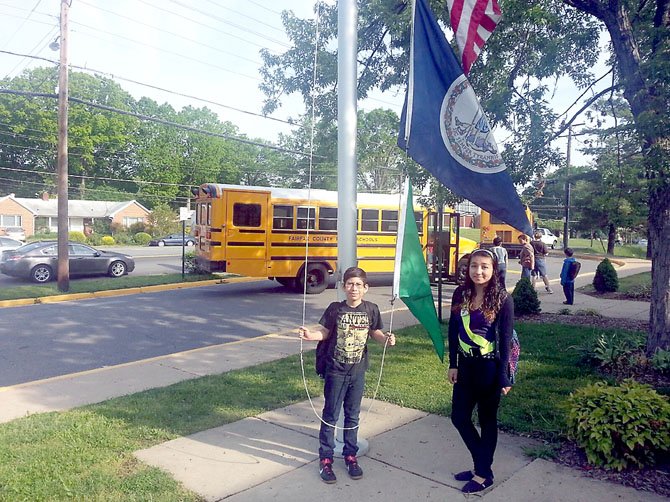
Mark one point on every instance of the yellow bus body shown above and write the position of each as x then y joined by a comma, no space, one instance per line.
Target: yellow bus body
262,232
491,227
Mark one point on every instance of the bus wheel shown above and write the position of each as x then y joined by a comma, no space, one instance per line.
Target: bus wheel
317,279
287,282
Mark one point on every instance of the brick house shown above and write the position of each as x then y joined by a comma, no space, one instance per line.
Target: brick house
41,215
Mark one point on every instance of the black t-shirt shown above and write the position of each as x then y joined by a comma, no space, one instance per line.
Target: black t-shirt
349,328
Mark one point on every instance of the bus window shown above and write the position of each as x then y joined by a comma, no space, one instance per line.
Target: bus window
496,221
246,215
389,221
328,218
282,218
418,216
369,220
305,215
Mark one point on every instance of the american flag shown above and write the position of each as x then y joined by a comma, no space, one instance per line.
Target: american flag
473,21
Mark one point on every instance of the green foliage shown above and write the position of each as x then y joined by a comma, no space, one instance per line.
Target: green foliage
162,220
606,278
77,236
138,227
107,240
610,349
661,361
141,238
619,426
525,298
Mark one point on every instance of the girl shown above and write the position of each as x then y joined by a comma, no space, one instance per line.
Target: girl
477,362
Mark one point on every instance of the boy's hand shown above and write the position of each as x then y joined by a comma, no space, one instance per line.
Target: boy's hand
307,334
390,339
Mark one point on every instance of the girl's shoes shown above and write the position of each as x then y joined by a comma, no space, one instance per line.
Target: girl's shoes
464,476
473,486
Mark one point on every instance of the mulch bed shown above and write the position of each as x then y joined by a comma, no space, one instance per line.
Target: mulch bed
656,479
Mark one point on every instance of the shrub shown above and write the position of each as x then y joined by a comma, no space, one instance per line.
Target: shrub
141,238
77,236
619,426
95,239
123,238
191,265
612,350
107,240
606,278
661,361
525,298
138,227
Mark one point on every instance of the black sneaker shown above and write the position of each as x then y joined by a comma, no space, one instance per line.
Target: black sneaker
355,471
326,471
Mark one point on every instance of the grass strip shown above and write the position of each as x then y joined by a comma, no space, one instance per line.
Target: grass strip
86,453
94,285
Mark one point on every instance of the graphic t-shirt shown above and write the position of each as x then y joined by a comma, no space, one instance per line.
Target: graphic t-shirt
349,327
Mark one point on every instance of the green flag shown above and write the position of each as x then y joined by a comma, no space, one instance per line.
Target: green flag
410,278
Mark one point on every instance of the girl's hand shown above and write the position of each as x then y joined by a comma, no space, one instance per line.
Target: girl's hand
505,390
452,375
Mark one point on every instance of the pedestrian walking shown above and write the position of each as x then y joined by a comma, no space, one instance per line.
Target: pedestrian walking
540,269
526,256
501,254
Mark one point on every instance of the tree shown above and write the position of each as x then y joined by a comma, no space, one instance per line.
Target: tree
536,43
640,37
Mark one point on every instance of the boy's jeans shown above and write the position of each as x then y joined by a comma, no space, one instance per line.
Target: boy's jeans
569,291
341,389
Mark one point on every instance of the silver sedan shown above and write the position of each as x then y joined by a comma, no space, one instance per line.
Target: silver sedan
38,261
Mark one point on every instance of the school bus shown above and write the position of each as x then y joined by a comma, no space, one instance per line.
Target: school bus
279,232
491,227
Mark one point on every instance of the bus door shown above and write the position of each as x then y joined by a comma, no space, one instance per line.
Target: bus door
246,232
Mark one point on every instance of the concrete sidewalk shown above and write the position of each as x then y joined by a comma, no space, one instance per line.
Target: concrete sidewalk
412,454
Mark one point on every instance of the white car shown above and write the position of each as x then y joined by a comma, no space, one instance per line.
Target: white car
547,237
7,244
16,233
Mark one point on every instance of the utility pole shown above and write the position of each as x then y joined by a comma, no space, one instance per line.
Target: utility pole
566,223
63,217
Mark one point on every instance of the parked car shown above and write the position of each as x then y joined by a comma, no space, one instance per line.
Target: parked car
547,237
38,261
642,242
173,240
16,233
7,244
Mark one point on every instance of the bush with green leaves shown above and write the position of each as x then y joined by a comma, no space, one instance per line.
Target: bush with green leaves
611,349
141,238
107,240
525,298
661,361
619,426
76,236
606,279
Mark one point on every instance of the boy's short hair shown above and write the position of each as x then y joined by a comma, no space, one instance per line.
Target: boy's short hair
352,272
538,235
522,237
497,241
568,252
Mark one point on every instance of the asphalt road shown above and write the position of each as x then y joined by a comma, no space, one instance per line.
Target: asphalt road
47,340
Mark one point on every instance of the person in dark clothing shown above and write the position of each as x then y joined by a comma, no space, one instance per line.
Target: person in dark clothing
501,256
477,362
348,324
567,282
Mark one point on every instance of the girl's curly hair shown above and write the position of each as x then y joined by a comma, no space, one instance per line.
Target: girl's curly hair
494,295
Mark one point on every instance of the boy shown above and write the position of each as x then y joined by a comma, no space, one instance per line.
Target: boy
568,283
501,255
526,256
347,325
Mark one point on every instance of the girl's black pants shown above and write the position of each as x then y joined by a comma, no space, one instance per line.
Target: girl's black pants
478,384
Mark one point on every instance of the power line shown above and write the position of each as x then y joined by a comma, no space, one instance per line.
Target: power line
155,87
156,120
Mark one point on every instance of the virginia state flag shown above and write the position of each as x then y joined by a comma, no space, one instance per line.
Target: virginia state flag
444,129
410,276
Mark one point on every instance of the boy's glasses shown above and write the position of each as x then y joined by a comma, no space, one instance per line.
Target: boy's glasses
354,285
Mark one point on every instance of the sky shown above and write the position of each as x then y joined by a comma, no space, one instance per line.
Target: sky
203,48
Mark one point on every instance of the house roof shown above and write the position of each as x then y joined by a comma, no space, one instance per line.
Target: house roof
77,208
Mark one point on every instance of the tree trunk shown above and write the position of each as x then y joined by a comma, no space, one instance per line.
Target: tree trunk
659,242
611,238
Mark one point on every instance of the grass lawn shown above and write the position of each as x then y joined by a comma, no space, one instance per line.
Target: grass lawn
598,247
104,284
86,453
636,286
